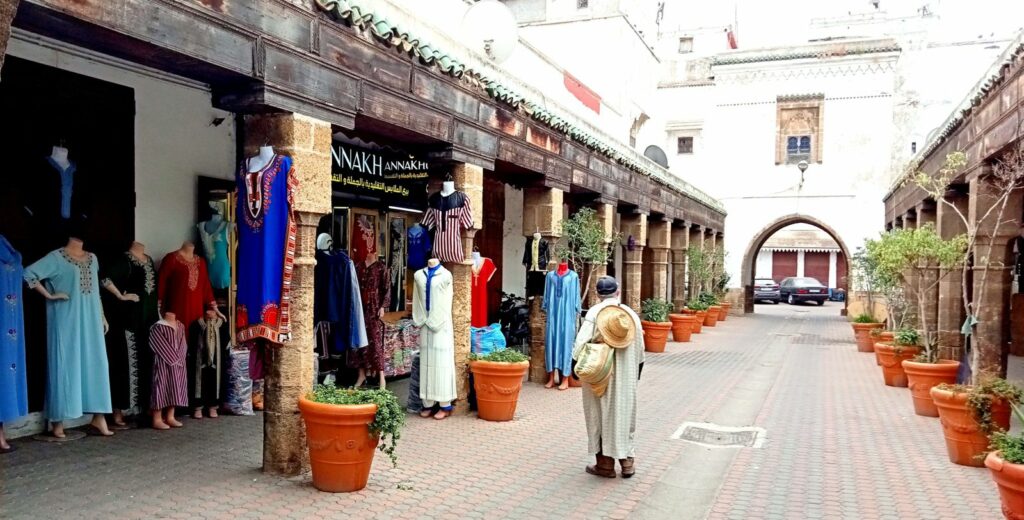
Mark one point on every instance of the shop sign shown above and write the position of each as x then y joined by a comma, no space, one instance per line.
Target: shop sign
391,177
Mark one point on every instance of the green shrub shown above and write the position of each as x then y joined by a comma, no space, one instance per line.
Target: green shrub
708,299
500,356
697,305
907,337
656,310
864,318
1010,447
389,419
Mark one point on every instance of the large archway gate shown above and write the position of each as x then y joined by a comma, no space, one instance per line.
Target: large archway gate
750,257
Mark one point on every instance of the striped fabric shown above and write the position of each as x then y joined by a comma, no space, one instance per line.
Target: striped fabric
170,377
447,217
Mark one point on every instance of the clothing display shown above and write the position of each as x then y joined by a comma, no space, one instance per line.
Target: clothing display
536,256
364,239
208,343
170,377
480,305
447,217
375,289
184,287
432,312
13,384
214,236
401,342
266,250
128,355
396,266
338,302
77,379
56,198
418,243
563,305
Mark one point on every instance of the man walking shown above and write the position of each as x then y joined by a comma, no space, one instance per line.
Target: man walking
611,417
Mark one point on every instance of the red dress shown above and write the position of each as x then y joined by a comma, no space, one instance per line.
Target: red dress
184,288
480,303
375,290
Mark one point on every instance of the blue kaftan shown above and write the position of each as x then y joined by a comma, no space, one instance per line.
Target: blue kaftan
77,379
562,305
13,386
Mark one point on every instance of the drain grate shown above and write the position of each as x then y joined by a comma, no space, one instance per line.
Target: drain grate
716,436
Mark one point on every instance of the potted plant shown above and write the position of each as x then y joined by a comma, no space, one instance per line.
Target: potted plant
344,426
713,309
699,310
720,282
970,414
655,323
863,325
497,379
892,356
1006,463
682,326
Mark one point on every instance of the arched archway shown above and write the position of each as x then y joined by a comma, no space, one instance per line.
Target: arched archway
750,256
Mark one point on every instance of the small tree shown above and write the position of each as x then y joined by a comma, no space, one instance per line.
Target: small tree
865,279
584,244
700,265
889,285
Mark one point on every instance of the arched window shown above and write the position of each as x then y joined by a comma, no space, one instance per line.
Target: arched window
798,148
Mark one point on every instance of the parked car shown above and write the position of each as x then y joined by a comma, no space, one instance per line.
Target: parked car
796,289
766,290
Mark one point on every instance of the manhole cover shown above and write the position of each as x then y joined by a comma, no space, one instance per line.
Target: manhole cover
715,436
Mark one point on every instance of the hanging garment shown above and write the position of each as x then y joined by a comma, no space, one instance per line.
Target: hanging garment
396,266
56,199
214,236
447,217
375,288
419,247
364,239
536,256
77,376
480,303
432,311
184,287
208,344
337,301
128,352
266,250
13,384
170,376
562,305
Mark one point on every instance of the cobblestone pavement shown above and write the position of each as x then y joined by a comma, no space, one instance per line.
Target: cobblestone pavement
839,445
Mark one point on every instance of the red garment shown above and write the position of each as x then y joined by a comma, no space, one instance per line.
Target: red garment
184,288
375,291
480,303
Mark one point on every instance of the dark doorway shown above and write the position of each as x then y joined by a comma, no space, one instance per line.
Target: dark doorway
489,238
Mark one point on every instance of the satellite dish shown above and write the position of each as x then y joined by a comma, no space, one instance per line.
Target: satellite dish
491,30
657,155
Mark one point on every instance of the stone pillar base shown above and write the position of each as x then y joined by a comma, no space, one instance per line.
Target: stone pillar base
538,323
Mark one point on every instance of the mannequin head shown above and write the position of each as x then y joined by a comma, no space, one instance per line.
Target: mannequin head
324,242
433,262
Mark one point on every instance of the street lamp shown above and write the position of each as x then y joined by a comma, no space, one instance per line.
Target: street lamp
803,167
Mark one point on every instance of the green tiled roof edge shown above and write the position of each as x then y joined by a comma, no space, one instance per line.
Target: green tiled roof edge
804,54
389,34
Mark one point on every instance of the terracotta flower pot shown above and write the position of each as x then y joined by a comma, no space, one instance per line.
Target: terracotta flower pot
682,326
965,442
862,333
726,307
711,317
698,324
892,363
341,447
883,337
655,335
922,377
497,388
1009,478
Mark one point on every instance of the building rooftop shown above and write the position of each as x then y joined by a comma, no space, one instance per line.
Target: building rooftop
789,239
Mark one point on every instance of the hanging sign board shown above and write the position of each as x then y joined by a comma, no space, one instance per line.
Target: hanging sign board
394,178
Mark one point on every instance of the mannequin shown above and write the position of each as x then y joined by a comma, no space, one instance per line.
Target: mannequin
13,380
432,311
563,268
130,277
184,286
449,213
208,342
562,304
375,292
59,155
535,259
214,235
337,309
483,270
67,278
447,188
167,341
261,160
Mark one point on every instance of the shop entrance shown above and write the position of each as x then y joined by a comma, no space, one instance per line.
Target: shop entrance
94,120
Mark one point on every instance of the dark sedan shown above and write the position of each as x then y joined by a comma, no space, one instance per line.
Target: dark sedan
796,289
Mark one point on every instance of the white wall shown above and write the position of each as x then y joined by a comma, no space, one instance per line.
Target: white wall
174,141
513,274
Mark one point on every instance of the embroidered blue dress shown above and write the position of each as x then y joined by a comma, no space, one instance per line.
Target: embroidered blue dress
266,250
77,378
13,386
562,305
419,247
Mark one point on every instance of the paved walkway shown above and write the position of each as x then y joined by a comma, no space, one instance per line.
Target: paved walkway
839,444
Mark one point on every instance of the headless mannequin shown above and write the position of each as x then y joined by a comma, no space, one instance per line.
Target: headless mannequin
370,260
188,252
138,251
211,411
60,157
164,419
563,269
433,262
447,188
262,159
75,249
443,413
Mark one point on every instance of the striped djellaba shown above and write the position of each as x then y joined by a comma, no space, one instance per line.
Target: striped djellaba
170,377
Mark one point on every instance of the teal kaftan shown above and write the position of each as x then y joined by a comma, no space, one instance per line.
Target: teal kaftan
562,305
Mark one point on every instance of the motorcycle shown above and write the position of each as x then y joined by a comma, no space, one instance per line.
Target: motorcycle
514,318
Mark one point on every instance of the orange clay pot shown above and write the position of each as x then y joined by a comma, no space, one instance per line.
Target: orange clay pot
883,337
965,442
682,326
726,307
655,335
1009,478
711,318
922,377
862,333
497,388
341,447
698,324
892,363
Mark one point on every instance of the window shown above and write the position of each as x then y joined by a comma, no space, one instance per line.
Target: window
798,148
685,44
684,145
582,4
799,123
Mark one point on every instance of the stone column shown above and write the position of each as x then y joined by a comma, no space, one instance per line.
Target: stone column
680,243
710,244
7,10
930,274
659,242
606,215
696,241
993,264
950,313
635,226
289,367
910,280
469,179
542,212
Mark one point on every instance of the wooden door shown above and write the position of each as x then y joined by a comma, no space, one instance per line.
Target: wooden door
783,265
816,266
489,239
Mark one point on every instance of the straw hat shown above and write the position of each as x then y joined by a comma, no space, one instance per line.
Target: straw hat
616,326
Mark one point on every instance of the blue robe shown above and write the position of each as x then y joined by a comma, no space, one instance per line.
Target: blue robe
77,378
337,300
562,305
419,247
13,386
